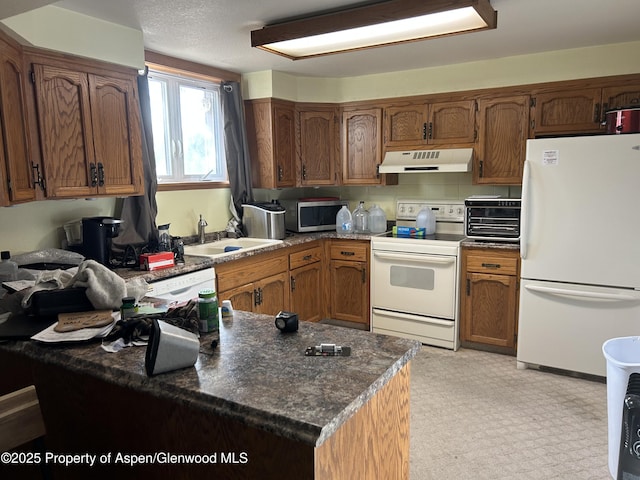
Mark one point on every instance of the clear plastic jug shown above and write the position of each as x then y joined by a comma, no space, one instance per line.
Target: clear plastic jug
344,220
377,220
426,219
361,219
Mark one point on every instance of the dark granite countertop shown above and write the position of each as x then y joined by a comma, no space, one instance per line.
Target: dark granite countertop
257,375
193,263
468,243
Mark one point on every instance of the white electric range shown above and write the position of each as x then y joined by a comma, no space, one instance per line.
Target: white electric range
415,281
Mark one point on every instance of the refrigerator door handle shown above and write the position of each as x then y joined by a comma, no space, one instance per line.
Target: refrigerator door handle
620,297
524,212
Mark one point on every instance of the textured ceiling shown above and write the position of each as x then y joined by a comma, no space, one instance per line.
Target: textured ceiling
217,32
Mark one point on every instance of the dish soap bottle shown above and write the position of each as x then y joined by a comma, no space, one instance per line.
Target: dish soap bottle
344,220
361,219
426,219
377,220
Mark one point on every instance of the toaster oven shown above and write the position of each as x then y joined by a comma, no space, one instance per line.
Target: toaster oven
492,219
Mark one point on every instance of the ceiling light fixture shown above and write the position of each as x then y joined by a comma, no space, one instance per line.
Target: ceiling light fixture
373,25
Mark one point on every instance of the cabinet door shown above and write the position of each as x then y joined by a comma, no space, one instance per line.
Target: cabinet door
306,288
349,291
451,123
117,135
318,147
274,294
490,309
405,125
569,111
66,135
618,97
242,298
361,147
503,128
14,130
284,145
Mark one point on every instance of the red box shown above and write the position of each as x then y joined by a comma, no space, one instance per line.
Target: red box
156,261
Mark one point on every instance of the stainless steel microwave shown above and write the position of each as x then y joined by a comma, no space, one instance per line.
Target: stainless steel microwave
496,219
312,214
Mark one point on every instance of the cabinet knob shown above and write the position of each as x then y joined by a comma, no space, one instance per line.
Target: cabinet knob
491,265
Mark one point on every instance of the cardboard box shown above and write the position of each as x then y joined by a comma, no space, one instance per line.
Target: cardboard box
156,261
410,232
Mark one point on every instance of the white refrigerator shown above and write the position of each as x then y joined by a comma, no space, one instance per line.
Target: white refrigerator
580,250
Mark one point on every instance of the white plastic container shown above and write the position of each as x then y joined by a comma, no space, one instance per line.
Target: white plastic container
344,220
377,220
361,219
623,359
426,219
8,268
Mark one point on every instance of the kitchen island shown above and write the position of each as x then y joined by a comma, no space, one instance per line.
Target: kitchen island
253,407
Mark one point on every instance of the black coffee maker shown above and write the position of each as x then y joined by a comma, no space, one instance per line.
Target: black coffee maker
97,233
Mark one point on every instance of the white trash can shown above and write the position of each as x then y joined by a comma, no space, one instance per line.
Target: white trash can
623,359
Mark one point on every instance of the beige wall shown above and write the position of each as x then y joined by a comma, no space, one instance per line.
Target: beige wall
39,225
599,61
66,31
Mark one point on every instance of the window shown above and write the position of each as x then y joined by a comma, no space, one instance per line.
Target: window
186,118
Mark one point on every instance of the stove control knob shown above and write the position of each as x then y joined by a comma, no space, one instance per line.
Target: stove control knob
410,209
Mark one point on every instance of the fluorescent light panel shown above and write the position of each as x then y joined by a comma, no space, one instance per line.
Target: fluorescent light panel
457,20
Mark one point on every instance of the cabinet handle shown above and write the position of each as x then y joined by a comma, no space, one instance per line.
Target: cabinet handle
596,113
293,283
378,171
37,178
430,130
468,287
307,257
424,131
364,274
257,297
481,168
491,265
100,175
304,172
94,174
347,254
280,174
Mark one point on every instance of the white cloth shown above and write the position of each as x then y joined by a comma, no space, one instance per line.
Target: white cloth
105,288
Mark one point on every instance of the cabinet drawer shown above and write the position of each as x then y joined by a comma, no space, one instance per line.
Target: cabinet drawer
490,264
247,270
305,257
355,252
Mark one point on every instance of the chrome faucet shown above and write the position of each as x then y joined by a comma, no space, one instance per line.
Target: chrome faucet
201,225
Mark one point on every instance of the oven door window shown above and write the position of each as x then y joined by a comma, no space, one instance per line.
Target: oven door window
412,277
420,284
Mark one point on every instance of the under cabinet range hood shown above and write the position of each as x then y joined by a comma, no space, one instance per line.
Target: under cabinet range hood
426,161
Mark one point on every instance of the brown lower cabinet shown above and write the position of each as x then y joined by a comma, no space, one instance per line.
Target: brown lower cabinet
316,280
258,284
349,280
489,299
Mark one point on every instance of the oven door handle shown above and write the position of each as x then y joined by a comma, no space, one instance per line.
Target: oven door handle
415,258
408,316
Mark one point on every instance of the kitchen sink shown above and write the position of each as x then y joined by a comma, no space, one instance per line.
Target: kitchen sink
228,246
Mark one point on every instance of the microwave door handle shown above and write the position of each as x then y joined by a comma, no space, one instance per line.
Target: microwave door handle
524,212
415,258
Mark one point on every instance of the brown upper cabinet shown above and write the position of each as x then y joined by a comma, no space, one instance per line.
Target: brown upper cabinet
362,148
318,133
89,128
578,109
420,124
503,129
272,142
15,157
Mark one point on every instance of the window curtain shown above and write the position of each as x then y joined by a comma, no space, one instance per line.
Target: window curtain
139,213
236,148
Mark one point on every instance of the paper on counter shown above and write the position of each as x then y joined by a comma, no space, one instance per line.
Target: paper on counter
49,335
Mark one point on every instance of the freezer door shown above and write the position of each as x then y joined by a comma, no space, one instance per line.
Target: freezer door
579,218
564,326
